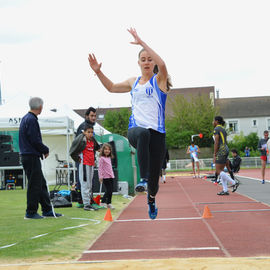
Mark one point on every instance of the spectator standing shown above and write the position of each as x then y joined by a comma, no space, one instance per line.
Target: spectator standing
247,152
83,151
106,175
32,150
262,146
193,150
90,119
221,152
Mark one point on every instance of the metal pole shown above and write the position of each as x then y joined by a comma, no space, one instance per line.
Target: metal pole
67,157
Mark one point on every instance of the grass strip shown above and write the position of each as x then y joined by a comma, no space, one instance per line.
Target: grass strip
57,243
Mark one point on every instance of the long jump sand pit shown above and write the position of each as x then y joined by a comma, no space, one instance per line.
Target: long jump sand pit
166,264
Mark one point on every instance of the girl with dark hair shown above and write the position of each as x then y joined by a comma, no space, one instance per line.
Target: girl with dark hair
147,122
106,174
221,152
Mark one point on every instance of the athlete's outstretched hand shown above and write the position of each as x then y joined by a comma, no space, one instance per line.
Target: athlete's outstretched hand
94,63
137,40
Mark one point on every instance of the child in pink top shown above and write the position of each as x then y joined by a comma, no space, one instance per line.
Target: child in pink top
106,175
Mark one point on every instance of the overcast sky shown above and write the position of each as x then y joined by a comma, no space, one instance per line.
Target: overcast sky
44,45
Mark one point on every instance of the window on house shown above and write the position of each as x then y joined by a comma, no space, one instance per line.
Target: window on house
233,126
254,123
101,116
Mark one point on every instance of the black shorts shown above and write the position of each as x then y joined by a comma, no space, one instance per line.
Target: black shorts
222,154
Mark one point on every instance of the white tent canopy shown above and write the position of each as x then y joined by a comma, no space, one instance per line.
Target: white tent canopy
57,129
66,110
63,118
12,112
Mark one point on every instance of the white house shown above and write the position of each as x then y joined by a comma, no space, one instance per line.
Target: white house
246,114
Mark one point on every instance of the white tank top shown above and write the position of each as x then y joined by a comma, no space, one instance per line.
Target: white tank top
148,106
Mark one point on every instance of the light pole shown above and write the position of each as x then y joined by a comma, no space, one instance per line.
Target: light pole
200,135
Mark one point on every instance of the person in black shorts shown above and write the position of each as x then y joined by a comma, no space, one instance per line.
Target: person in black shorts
262,146
221,152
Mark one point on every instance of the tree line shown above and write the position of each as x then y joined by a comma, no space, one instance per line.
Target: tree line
189,115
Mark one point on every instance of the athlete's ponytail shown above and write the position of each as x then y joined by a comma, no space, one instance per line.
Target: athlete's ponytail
169,81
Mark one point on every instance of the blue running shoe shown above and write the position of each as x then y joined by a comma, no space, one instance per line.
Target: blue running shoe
142,186
263,182
152,211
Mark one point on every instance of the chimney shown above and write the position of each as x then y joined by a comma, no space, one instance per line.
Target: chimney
217,92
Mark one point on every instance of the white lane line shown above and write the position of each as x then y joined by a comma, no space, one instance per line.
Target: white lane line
44,234
227,202
74,227
94,220
90,219
246,210
158,219
252,178
149,250
37,236
8,245
212,232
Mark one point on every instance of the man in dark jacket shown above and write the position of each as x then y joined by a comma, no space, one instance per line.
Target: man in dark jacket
32,149
90,119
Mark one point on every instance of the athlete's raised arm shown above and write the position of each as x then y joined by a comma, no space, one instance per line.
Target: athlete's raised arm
121,87
162,75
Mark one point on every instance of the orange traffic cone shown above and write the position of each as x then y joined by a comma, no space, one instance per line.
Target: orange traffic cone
108,215
206,213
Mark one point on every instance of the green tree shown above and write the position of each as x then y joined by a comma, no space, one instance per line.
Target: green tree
239,142
117,121
190,116
252,141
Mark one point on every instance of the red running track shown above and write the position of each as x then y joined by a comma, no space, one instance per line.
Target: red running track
255,173
239,226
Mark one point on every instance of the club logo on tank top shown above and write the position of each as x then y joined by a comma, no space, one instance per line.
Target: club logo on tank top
149,91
